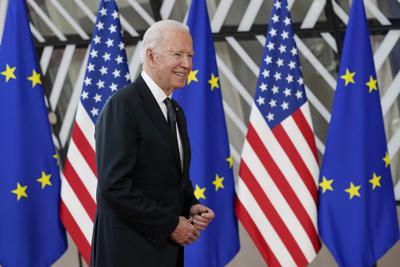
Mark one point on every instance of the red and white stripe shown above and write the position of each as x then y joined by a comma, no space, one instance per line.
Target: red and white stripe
277,188
79,182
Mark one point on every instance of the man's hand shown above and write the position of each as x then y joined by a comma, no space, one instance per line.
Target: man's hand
201,216
185,233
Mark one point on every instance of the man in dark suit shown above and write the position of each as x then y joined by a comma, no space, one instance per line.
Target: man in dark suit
146,209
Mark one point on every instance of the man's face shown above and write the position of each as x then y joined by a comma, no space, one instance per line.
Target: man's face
172,61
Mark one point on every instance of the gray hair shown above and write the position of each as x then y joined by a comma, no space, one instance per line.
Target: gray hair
152,37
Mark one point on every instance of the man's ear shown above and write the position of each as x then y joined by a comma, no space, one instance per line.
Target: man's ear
150,56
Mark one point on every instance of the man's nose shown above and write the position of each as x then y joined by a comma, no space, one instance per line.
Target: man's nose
187,62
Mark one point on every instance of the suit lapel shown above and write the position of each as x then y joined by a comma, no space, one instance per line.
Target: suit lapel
152,109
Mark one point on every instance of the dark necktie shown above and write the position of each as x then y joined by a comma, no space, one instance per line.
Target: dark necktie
171,120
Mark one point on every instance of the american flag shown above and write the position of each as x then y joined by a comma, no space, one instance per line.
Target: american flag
106,72
277,185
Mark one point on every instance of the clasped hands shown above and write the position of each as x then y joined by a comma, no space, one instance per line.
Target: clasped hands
188,230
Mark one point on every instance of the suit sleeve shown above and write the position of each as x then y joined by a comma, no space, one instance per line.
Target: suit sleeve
116,152
189,197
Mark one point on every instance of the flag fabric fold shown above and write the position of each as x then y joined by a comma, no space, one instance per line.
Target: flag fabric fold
31,233
357,212
277,185
211,169
106,72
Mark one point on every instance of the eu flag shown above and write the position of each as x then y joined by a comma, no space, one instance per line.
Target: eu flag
30,229
357,213
211,165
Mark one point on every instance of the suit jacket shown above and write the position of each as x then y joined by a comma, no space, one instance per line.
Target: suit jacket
142,188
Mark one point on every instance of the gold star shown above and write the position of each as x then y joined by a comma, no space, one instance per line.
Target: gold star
35,78
20,191
213,82
218,182
9,73
386,159
199,192
56,156
372,84
45,180
348,77
375,181
192,76
326,184
230,161
353,190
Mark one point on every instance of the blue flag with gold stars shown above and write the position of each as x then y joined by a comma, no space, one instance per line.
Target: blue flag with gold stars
30,230
357,213
211,165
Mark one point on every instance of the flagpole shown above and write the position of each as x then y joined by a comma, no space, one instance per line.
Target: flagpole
53,119
331,16
80,259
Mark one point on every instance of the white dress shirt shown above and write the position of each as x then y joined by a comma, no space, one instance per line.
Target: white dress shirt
160,96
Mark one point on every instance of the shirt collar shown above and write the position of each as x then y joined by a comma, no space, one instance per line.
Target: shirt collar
157,92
